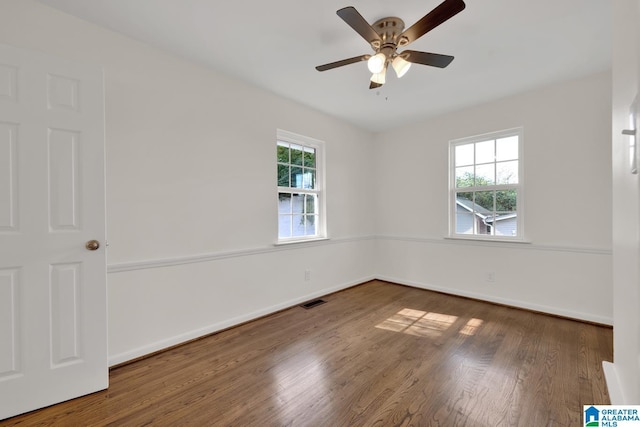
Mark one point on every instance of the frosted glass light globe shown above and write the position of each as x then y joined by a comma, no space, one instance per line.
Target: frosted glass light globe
376,62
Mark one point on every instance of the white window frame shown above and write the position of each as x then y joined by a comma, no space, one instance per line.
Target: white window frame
519,187
319,190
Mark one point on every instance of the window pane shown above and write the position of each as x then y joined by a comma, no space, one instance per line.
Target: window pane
298,226
464,202
283,153
296,177
297,207
310,203
485,152
485,174
464,155
465,195
506,224
507,148
464,213
297,203
506,200
464,177
464,222
310,225
309,157
507,172
296,154
284,203
484,228
309,179
483,202
284,226
283,176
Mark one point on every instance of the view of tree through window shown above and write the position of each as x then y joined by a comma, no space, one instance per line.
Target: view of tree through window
486,185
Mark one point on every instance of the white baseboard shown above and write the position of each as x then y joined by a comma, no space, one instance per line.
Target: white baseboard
613,384
119,358
504,301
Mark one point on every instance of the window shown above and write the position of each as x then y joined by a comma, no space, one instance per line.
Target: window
486,196
300,188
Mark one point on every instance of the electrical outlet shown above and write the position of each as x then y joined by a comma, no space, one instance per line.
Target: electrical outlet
307,275
490,277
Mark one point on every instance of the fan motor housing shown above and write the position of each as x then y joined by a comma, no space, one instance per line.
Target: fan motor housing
389,29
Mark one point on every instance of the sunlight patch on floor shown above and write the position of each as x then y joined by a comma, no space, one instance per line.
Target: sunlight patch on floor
471,327
426,324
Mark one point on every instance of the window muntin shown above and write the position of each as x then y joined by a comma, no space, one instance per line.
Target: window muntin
486,186
300,193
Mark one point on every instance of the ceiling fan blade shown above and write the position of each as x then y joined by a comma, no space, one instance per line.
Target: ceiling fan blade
374,85
437,16
337,64
353,18
426,58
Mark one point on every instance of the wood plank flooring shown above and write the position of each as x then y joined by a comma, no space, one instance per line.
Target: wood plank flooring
377,354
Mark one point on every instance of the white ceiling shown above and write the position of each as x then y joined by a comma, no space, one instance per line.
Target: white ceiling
501,47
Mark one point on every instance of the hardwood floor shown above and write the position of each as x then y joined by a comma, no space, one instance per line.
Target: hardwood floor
378,354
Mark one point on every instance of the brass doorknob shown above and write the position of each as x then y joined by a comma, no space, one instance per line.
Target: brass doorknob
92,245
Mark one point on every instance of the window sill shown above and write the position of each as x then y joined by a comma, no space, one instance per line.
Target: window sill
486,239
298,241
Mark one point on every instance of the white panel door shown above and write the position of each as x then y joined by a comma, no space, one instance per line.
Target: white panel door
53,333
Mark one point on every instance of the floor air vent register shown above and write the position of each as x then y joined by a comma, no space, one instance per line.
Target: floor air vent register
314,303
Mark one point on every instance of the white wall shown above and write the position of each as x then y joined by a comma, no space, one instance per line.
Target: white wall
623,378
191,192
566,269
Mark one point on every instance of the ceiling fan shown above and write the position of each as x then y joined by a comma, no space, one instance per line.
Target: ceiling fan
386,35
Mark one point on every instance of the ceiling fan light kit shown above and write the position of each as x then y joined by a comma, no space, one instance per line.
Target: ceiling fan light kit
400,66
380,77
386,35
377,62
